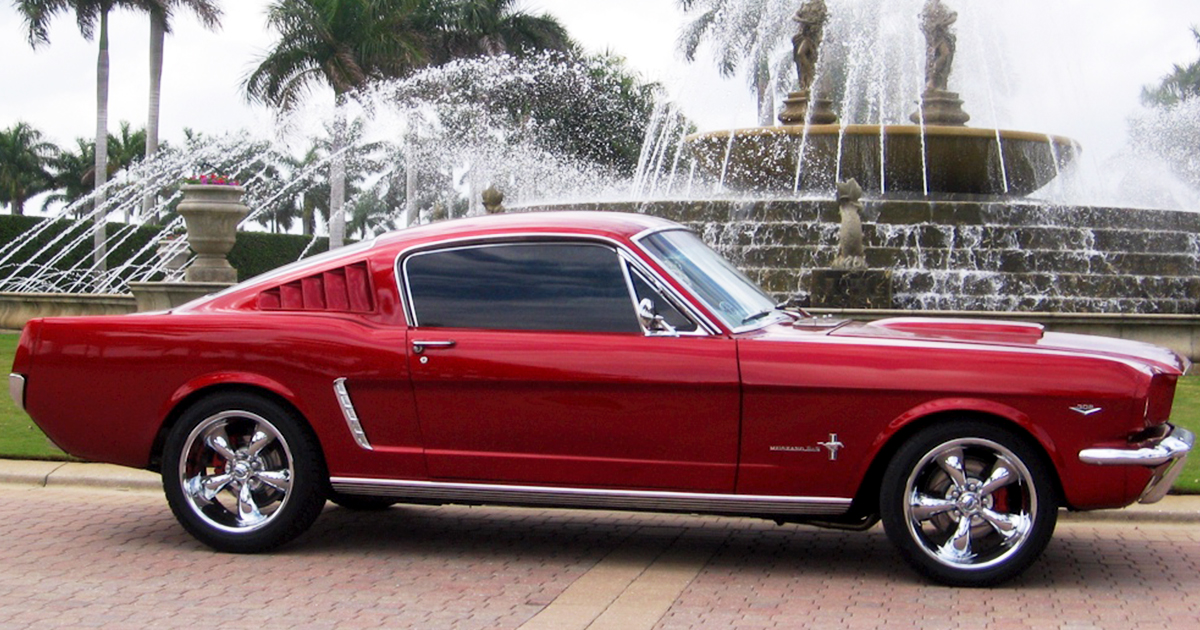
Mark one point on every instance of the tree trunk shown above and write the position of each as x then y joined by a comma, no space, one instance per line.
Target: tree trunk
410,180
337,179
101,165
158,32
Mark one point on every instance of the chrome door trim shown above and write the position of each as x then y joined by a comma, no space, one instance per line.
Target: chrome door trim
658,501
419,345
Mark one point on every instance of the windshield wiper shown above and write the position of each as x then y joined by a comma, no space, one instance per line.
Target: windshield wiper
757,316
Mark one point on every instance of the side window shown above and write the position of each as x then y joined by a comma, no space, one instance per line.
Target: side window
521,286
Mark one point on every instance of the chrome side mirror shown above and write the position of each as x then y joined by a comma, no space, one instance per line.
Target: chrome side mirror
652,322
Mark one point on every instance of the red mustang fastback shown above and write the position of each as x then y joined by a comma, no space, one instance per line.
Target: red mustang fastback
606,361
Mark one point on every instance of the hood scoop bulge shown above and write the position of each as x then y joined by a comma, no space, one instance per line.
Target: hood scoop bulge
954,329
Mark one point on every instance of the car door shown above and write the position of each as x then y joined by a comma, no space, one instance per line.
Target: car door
530,366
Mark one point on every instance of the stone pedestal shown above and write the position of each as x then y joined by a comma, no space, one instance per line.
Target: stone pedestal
797,106
940,108
851,288
212,214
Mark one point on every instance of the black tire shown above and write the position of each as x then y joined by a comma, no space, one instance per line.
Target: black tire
968,503
360,503
243,474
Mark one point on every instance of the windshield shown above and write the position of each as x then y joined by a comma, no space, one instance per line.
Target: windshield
724,290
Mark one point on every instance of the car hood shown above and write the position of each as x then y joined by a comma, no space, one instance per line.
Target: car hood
1014,334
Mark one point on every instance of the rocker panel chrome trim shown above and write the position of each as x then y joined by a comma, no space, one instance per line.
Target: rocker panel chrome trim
352,423
593,497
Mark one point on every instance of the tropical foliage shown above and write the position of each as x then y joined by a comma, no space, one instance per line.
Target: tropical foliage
25,158
1170,128
345,44
472,28
92,18
744,36
1181,84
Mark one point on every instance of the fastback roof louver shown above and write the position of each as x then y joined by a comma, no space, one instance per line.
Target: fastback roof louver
346,289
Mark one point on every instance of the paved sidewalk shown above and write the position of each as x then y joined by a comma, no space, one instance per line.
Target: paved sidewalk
1173,509
76,557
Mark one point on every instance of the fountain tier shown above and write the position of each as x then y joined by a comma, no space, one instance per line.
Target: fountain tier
883,158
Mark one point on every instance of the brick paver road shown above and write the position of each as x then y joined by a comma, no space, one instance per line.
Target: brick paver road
97,558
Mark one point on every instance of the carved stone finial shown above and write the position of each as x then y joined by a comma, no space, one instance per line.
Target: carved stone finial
493,200
851,251
806,105
806,45
936,20
939,106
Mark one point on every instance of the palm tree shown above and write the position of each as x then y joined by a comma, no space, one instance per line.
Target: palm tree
342,44
1180,85
127,148
92,17
745,35
24,157
161,12
495,27
73,174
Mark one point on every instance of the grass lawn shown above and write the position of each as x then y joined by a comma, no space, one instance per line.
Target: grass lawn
20,438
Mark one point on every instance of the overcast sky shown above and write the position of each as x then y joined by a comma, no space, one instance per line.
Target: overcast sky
1094,54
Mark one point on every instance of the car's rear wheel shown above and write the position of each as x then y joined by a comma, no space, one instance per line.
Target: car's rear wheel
968,503
242,474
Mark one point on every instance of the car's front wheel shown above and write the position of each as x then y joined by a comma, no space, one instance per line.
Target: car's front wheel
969,503
242,474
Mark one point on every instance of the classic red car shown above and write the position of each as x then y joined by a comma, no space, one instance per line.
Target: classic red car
609,361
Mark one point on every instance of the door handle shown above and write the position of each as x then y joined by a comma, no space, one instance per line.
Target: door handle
420,346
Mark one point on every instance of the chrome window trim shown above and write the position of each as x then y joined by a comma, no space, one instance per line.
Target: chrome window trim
405,293
758,325
350,414
662,501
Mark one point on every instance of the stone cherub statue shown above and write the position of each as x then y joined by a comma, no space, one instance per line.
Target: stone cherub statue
939,106
851,252
806,45
807,105
936,20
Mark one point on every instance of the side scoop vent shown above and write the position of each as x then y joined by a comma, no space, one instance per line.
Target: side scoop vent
347,290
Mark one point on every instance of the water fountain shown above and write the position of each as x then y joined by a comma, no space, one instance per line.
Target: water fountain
956,214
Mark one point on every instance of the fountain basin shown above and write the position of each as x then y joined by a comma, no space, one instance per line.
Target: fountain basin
908,159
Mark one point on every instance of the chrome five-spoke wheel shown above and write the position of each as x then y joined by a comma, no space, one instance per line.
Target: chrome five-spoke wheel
237,471
968,503
241,473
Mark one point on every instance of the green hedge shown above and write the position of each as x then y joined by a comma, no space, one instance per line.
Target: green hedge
254,253
260,252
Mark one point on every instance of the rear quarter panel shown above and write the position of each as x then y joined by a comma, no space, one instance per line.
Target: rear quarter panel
101,388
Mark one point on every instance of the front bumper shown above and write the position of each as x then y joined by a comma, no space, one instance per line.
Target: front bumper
1166,458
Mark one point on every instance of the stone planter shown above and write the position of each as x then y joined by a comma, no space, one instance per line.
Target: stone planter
212,214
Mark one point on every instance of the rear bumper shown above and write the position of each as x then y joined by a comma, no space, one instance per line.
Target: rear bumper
1166,458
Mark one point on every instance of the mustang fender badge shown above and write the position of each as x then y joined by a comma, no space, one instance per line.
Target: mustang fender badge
833,446
1086,410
